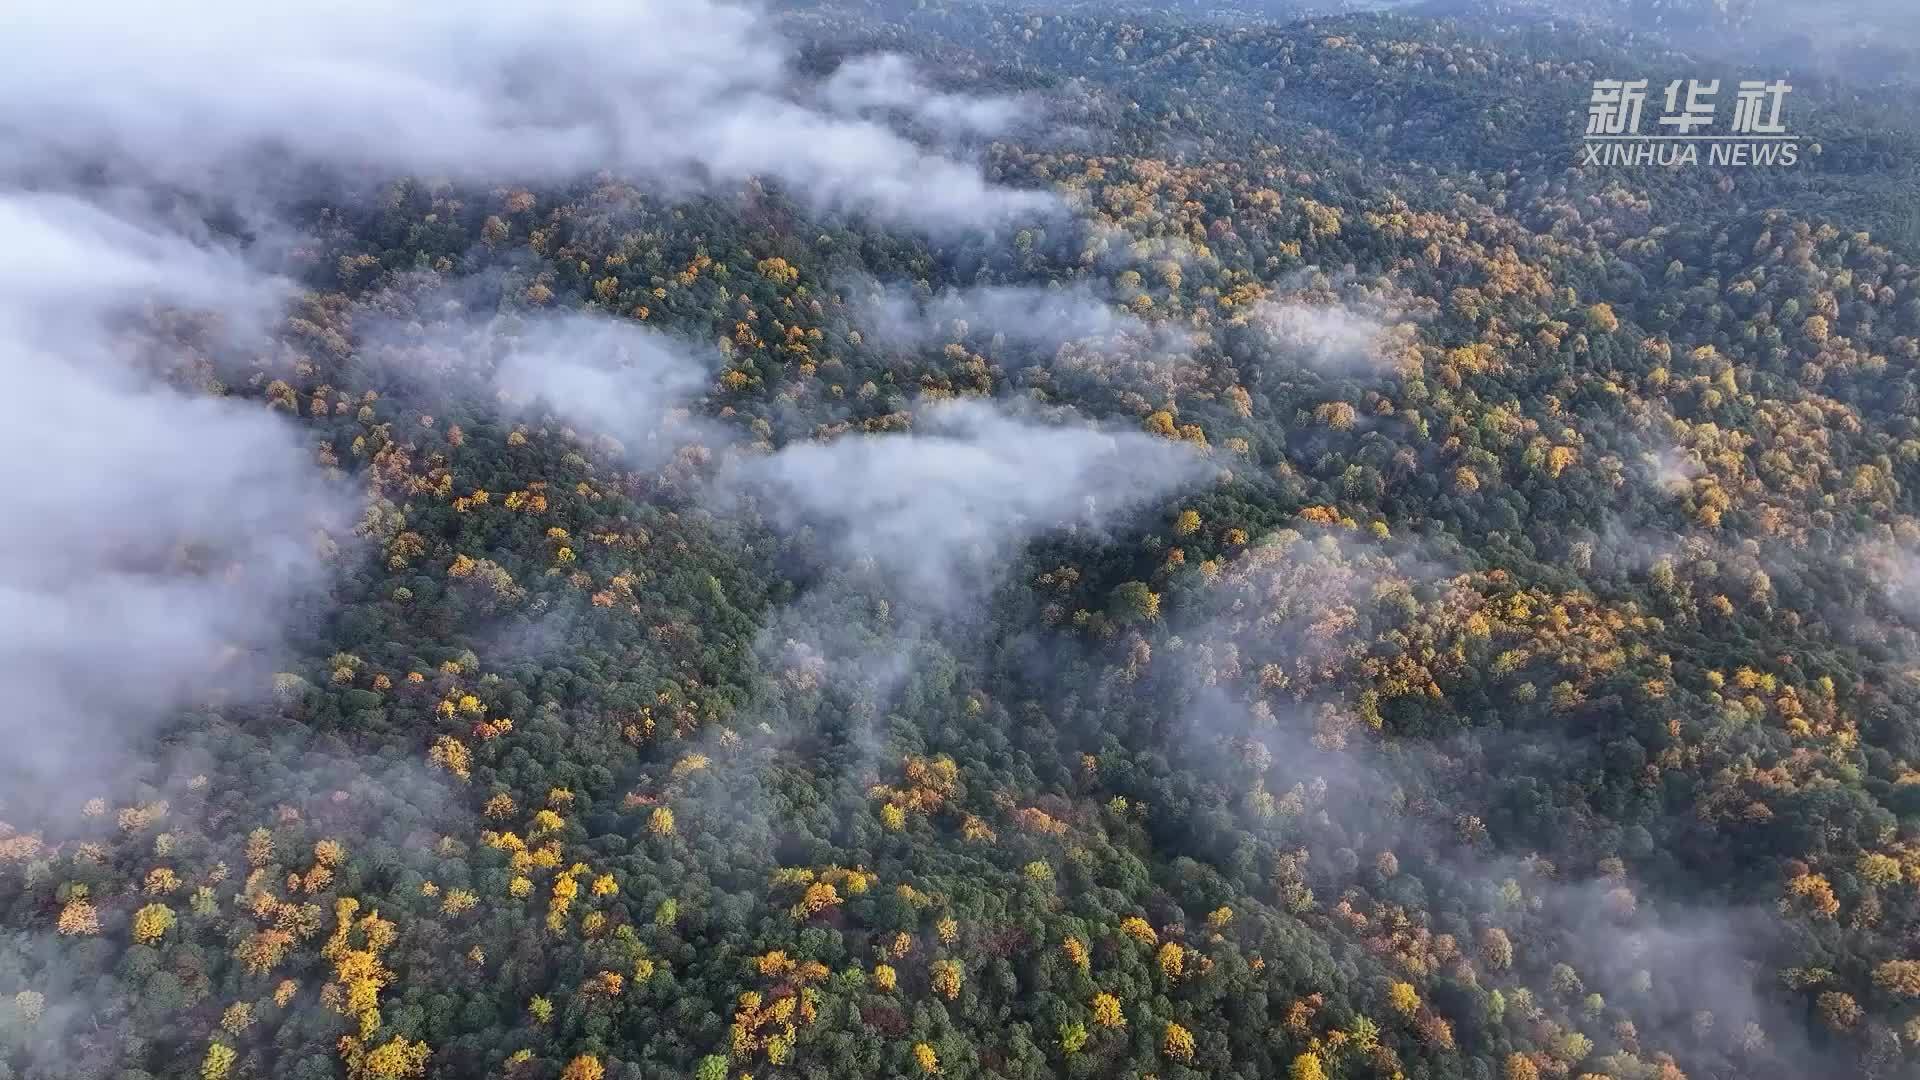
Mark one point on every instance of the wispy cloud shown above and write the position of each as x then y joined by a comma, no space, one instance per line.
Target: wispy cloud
883,84
1032,317
1334,323
155,536
686,95
937,510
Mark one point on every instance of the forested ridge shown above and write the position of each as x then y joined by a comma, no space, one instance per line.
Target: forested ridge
952,539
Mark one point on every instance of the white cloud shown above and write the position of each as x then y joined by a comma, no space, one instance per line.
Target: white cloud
684,94
151,533
940,509
883,83
1331,338
1025,315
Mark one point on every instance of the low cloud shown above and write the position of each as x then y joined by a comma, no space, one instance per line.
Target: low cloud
68,257
1029,316
1334,323
1672,468
939,510
611,379
688,95
912,532
155,536
1324,337
1895,567
883,84
1263,663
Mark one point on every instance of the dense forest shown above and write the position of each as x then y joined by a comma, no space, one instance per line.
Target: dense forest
880,538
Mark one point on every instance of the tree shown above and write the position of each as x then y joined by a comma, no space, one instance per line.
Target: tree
1134,602
263,950
237,1018
1076,952
1899,977
1106,1011
946,978
1172,960
1880,870
1520,1067
1838,1010
1496,949
1073,1037
395,1059
661,822
218,1062
151,923
451,755
924,1056
78,918
818,897
1177,1044
1307,1066
1404,999
584,1067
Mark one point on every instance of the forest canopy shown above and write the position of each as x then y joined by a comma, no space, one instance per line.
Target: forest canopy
867,538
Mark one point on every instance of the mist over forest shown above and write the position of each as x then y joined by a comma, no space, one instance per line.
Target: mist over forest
857,538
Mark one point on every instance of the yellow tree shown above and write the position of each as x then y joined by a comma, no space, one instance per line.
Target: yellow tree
1404,998
151,923
661,822
1178,1044
451,754
395,1060
946,978
818,897
1076,951
259,847
237,1018
1173,960
262,951
218,1062
1901,977
78,918
1073,1037
1838,1010
1521,1067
